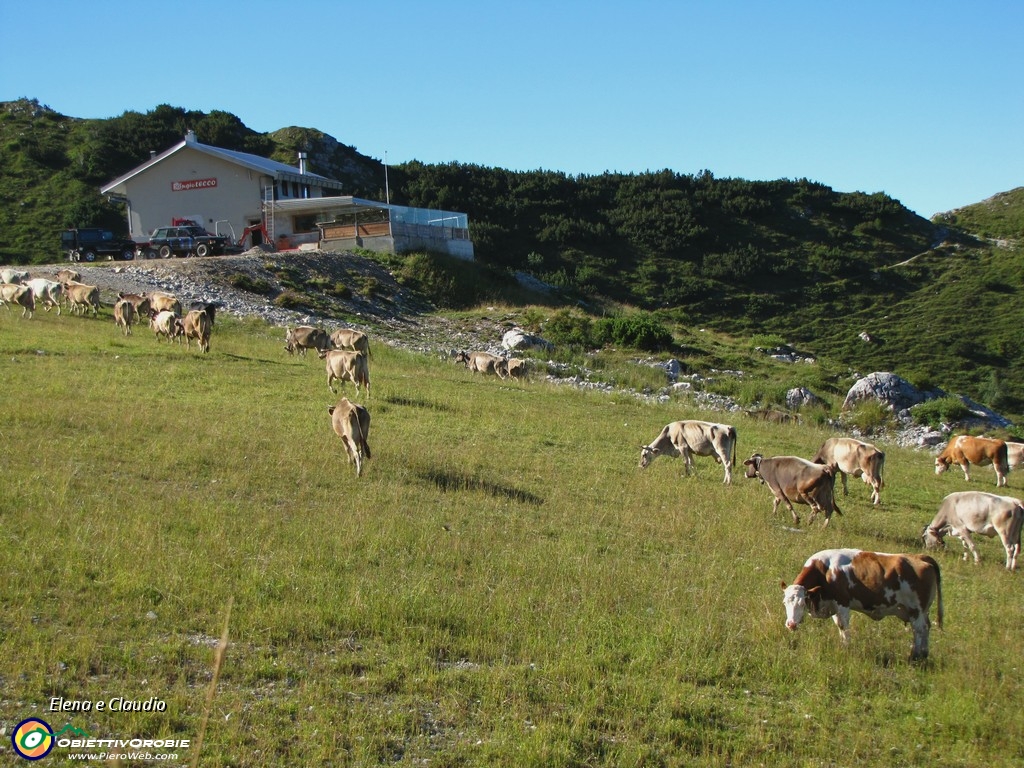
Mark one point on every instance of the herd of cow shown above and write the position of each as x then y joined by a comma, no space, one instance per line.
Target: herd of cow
834,582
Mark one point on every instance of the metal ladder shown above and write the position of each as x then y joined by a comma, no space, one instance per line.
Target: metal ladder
268,211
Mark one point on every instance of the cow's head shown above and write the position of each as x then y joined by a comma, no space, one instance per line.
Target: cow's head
941,465
932,537
753,465
647,455
462,357
322,353
796,597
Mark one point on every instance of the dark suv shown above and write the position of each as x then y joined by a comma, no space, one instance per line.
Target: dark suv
184,241
89,243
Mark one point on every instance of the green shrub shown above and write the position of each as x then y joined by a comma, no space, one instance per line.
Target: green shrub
253,285
289,299
942,409
570,328
869,416
638,330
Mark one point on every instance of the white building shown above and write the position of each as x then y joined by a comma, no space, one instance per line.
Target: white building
228,192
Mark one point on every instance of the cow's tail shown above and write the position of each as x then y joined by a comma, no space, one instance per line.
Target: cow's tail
732,437
879,469
1004,460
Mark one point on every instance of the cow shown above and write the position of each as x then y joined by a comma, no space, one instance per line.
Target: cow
345,365
124,315
483,362
834,582
351,423
210,308
68,276
139,301
1014,455
197,325
516,368
45,292
350,338
164,302
856,458
966,450
793,479
689,438
306,337
165,323
13,277
16,293
82,297
967,512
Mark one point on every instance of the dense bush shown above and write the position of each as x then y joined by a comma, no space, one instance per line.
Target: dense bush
941,410
639,331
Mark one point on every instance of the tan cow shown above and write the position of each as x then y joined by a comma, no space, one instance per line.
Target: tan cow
165,323
197,325
483,362
68,276
690,438
856,458
792,479
344,365
46,292
21,295
13,276
517,368
82,297
164,302
987,514
834,582
124,315
350,338
306,337
351,423
982,451
1014,455
139,301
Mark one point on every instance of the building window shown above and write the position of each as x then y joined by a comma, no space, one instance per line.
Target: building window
284,190
304,224
295,189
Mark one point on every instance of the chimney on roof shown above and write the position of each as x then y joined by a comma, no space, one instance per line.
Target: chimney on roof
190,136
302,162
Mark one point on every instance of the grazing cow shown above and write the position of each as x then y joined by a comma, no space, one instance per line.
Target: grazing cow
68,276
124,315
306,337
210,308
15,293
197,325
82,297
351,423
165,323
966,450
856,458
164,302
350,338
483,362
46,292
13,276
967,512
345,365
836,581
139,301
516,368
1014,455
689,438
792,479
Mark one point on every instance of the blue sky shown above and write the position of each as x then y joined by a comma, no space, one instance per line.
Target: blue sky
923,101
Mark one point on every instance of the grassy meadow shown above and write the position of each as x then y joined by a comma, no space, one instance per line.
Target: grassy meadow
502,587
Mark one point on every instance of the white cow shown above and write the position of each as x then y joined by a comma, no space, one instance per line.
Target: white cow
686,438
967,512
854,457
46,292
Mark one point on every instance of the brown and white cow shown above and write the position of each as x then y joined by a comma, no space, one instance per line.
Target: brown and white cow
124,315
139,301
967,512
350,338
351,423
834,582
82,297
164,302
68,276
19,295
46,292
197,325
793,479
13,277
165,323
693,438
306,337
1014,455
982,451
856,458
483,362
344,365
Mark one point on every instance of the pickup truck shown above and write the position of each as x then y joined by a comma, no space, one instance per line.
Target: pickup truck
184,241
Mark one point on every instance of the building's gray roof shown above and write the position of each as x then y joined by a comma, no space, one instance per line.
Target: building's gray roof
262,165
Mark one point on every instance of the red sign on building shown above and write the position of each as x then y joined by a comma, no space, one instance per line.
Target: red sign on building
185,186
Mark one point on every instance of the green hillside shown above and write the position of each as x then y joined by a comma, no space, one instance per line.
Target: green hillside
791,258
